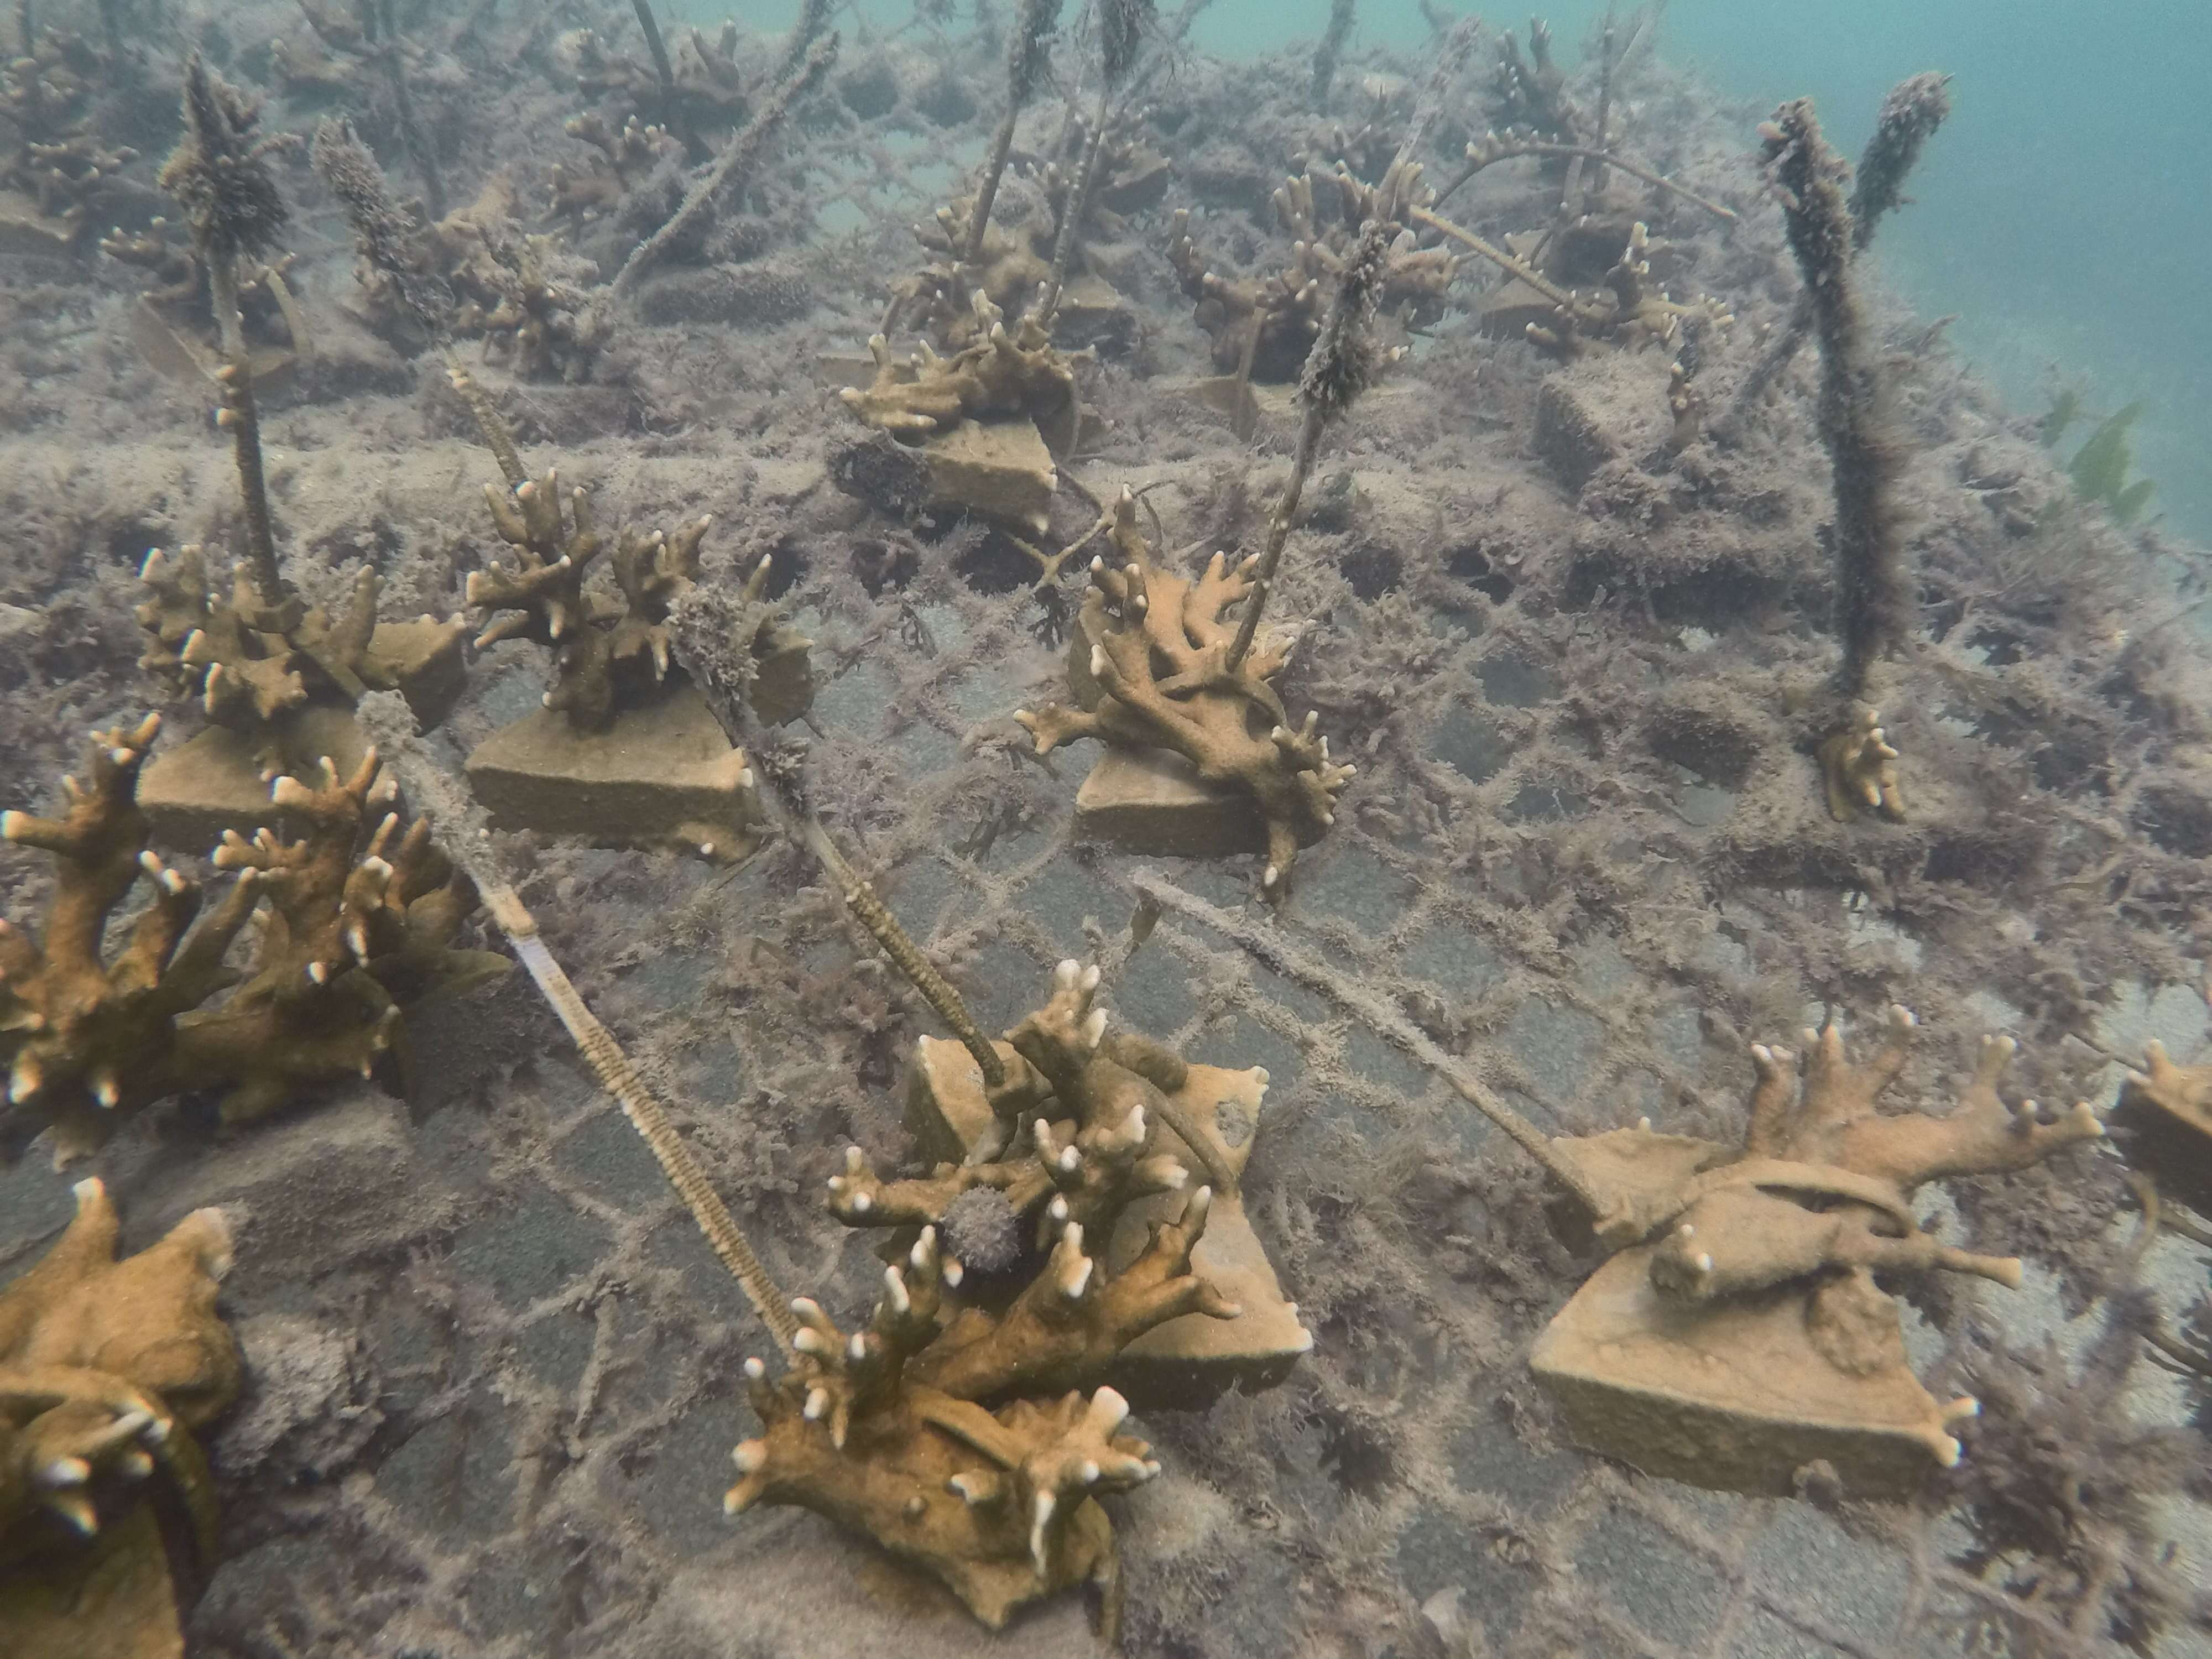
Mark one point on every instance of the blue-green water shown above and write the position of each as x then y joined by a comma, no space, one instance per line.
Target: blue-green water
2060,213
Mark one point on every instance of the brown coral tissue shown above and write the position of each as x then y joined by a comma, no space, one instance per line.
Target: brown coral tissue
967,1428
351,918
107,1368
1158,647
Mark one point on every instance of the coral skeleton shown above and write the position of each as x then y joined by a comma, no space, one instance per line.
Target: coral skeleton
107,1370
1158,676
350,921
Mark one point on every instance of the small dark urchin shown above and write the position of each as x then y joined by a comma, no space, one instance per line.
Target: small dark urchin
981,1231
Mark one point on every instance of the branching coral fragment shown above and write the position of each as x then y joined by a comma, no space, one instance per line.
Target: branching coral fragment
58,176
105,1368
609,649
1006,373
1159,655
1000,1506
1769,1254
625,160
890,1431
1273,320
348,931
251,663
1858,767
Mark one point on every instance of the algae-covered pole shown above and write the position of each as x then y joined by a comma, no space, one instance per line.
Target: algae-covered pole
383,235
220,176
1914,109
1493,150
1025,59
458,828
813,16
1330,51
1121,26
377,27
704,624
742,152
1864,450
1855,421
1342,362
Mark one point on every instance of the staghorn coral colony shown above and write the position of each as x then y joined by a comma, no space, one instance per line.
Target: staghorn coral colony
1441,584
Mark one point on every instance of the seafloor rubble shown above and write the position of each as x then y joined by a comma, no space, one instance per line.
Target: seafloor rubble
1574,653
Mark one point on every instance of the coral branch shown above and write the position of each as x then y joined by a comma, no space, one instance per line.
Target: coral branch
106,1368
347,933
1160,659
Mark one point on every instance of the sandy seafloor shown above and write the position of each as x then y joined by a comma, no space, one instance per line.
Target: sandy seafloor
493,1370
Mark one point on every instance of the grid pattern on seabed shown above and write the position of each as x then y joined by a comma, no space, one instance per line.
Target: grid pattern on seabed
559,1368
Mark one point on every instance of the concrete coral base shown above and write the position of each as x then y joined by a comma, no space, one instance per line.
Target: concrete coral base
1734,1396
196,791
1151,800
663,774
1187,1361
1000,470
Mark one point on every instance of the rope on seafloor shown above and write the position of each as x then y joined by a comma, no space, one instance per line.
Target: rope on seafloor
456,828
1269,946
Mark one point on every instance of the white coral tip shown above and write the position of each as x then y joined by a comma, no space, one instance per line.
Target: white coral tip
1109,1408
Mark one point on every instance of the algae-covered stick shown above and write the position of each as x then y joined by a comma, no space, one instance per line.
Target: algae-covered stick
744,150
701,624
1915,107
1337,369
1493,150
1122,26
1025,58
1341,15
1856,424
458,828
382,233
220,176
